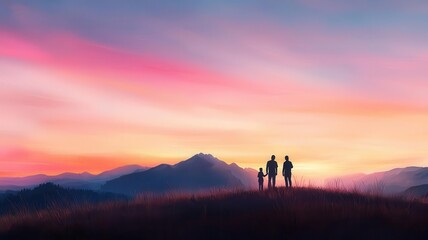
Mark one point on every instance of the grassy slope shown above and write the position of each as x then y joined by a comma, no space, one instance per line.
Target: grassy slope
300,213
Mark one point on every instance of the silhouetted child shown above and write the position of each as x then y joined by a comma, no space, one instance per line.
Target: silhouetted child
261,176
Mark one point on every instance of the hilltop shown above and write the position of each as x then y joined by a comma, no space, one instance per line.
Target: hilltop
299,213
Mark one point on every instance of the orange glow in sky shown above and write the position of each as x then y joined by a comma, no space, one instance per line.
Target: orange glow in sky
340,89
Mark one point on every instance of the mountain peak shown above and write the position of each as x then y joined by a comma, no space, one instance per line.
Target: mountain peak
206,157
201,154
200,159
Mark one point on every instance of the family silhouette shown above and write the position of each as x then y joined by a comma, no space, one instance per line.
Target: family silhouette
272,171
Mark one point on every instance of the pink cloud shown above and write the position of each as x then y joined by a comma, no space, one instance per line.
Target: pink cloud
15,47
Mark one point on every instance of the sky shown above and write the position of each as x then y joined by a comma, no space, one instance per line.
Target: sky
339,86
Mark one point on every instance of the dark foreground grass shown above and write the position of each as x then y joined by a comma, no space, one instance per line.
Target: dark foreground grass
300,213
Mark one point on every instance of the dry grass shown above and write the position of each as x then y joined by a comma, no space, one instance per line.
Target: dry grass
298,213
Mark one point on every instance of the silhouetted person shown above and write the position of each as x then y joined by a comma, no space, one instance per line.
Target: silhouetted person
261,176
271,171
286,171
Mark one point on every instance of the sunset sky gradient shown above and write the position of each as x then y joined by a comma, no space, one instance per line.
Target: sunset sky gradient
340,86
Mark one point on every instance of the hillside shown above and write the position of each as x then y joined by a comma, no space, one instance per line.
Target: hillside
198,173
298,213
49,195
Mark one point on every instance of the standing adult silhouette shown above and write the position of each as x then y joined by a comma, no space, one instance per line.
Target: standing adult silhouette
271,171
286,171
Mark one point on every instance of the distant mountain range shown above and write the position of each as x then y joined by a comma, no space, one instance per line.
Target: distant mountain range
198,173
49,195
205,172
83,180
396,181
